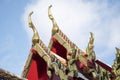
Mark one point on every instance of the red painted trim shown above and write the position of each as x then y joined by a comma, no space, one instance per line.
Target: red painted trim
103,65
38,68
33,51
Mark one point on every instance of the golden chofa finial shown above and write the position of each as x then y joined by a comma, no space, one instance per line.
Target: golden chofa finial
55,26
35,38
90,47
117,50
116,65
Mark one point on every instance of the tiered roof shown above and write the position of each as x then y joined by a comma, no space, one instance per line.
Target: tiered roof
63,60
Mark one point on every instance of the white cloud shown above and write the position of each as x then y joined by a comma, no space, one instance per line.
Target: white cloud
76,18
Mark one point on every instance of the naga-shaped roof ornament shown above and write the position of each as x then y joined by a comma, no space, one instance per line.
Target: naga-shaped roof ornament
116,65
55,26
35,38
90,48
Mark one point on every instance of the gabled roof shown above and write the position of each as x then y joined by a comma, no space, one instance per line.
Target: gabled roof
38,50
59,37
58,51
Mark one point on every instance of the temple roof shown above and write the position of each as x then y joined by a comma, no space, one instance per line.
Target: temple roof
63,60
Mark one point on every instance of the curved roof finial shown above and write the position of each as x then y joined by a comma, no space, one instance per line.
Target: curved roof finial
90,47
55,26
116,65
35,38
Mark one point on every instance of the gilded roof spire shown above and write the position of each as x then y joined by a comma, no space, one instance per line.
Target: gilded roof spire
116,65
90,47
35,38
55,26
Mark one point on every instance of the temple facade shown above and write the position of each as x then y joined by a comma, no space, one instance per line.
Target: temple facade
64,60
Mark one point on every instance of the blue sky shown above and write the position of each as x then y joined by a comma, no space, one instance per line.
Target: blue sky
76,18
14,46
